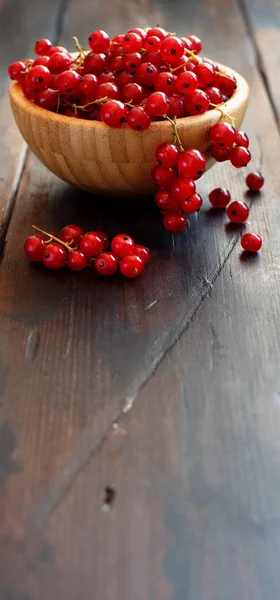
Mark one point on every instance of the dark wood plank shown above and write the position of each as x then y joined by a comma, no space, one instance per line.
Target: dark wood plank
21,23
263,22
75,350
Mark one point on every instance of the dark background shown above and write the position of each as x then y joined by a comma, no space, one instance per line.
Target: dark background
139,421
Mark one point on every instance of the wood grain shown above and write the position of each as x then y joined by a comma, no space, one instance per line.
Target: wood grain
193,464
98,158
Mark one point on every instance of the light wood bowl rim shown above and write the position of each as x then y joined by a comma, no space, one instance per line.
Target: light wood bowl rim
240,95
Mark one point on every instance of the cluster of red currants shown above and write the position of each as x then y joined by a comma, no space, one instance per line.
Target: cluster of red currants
78,250
135,78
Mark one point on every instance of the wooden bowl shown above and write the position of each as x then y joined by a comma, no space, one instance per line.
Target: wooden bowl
98,158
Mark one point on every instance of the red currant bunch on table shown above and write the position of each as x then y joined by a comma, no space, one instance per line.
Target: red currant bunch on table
78,250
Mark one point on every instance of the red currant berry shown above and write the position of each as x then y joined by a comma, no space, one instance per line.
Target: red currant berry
59,62
254,181
95,63
54,256
205,73
138,119
68,82
226,83
17,71
238,212
42,47
242,139
106,264
109,90
34,248
131,266
155,59
104,238
165,82
197,103
158,32
71,234
88,84
167,154
55,49
91,244
124,78
122,244
176,107
220,154
182,188
146,73
139,31
239,157
175,222
113,113
116,63
132,42
99,41
77,260
131,61
171,49
39,77
192,204
163,176
41,60
152,43
157,104
196,43
29,91
47,99
187,82
165,201
133,93
220,197
214,94
192,163
187,43
223,134
251,242
143,253
107,77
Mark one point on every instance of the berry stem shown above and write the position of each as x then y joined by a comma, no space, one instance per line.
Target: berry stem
223,112
79,48
192,55
53,237
177,140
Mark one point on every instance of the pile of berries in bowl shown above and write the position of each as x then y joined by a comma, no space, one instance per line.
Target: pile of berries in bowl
97,116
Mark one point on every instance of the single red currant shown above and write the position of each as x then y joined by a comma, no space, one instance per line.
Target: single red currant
251,242
175,222
42,47
99,41
176,107
41,60
239,157
139,31
138,119
192,163
95,63
131,266
39,77
155,59
113,113
131,61
215,95
146,73
55,49
223,134
47,99
220,154
187,82
59,62
29,91
163,176
133,93
196,43
192,204
34,248
107,77
182,188
116,64
226,83
91,244
132,42
242,139
68,82
88,84
157,104
152,43
71,234
77,260
142,252
205,73
108,90
254,181
158,32
197,103
238,212
122,245
54,256
171,49
167,154
165,201
104,238
165,82
106,264
220,197
17,71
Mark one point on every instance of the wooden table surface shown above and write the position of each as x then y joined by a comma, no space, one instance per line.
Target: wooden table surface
140,422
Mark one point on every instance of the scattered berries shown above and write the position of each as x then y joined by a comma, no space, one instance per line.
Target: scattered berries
238,212
254,181
219,198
